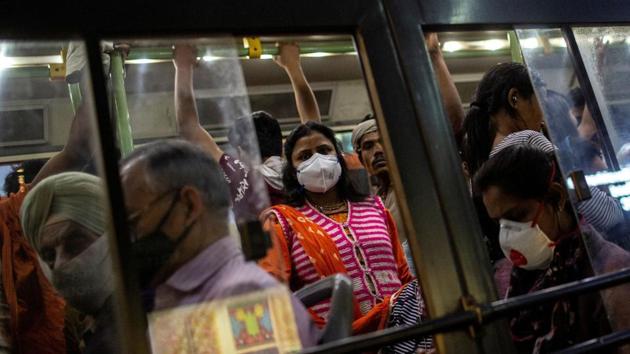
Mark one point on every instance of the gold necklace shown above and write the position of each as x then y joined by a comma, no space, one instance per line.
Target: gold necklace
330,209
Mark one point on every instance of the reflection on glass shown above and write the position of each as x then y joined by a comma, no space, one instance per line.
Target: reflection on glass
57,268
578,147
604,51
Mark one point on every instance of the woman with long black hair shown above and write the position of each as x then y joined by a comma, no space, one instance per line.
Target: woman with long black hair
328,228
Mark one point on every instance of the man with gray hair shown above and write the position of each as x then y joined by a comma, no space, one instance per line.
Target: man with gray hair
179,207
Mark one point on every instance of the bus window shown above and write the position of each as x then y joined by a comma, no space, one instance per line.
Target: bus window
468,56
584,146
215,131
58,271
526,132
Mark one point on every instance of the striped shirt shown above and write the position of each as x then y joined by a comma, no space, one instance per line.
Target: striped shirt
365,247
408,309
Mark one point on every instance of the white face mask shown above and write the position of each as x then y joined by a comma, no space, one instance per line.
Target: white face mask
319,173
86,281
271,170
526,246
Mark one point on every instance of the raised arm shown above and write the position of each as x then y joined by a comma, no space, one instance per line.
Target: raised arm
185,59
289,59
450,97
587,128
76,153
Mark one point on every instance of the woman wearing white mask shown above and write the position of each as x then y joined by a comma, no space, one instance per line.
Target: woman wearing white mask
63,218
330,228
521,189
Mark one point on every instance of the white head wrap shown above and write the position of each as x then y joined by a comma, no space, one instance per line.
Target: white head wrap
369,126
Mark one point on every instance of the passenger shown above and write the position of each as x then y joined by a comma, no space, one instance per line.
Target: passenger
574,153
178,203
560,121
367,144
601,211
366,141
27,169
288,58
522,189
267,129
578,103
588,156
270,144
330,228
504,105
31,312
451,101
586,125
64,219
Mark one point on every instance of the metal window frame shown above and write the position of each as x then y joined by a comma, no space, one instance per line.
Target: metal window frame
433,197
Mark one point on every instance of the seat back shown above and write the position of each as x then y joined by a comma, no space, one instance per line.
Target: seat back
338,288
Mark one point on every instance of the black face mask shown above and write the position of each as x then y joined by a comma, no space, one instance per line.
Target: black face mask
152,251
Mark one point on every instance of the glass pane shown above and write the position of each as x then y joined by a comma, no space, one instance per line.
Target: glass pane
580,149
604,50
58,279
201,165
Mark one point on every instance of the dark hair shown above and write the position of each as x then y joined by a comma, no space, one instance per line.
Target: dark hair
559,118
577,97
491,97
522,171
583,153
172,164
30,169
267,130
294,190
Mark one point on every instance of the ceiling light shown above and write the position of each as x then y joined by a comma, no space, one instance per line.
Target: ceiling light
318,54
529,43
558,42
495,44
144,61
6,62
452,46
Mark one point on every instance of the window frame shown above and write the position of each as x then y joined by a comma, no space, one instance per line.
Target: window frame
433,199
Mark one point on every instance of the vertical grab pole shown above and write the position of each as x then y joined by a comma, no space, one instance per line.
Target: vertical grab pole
515,48
75,95
123,125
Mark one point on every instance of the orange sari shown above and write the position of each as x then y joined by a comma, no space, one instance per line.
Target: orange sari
324,256
37,312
